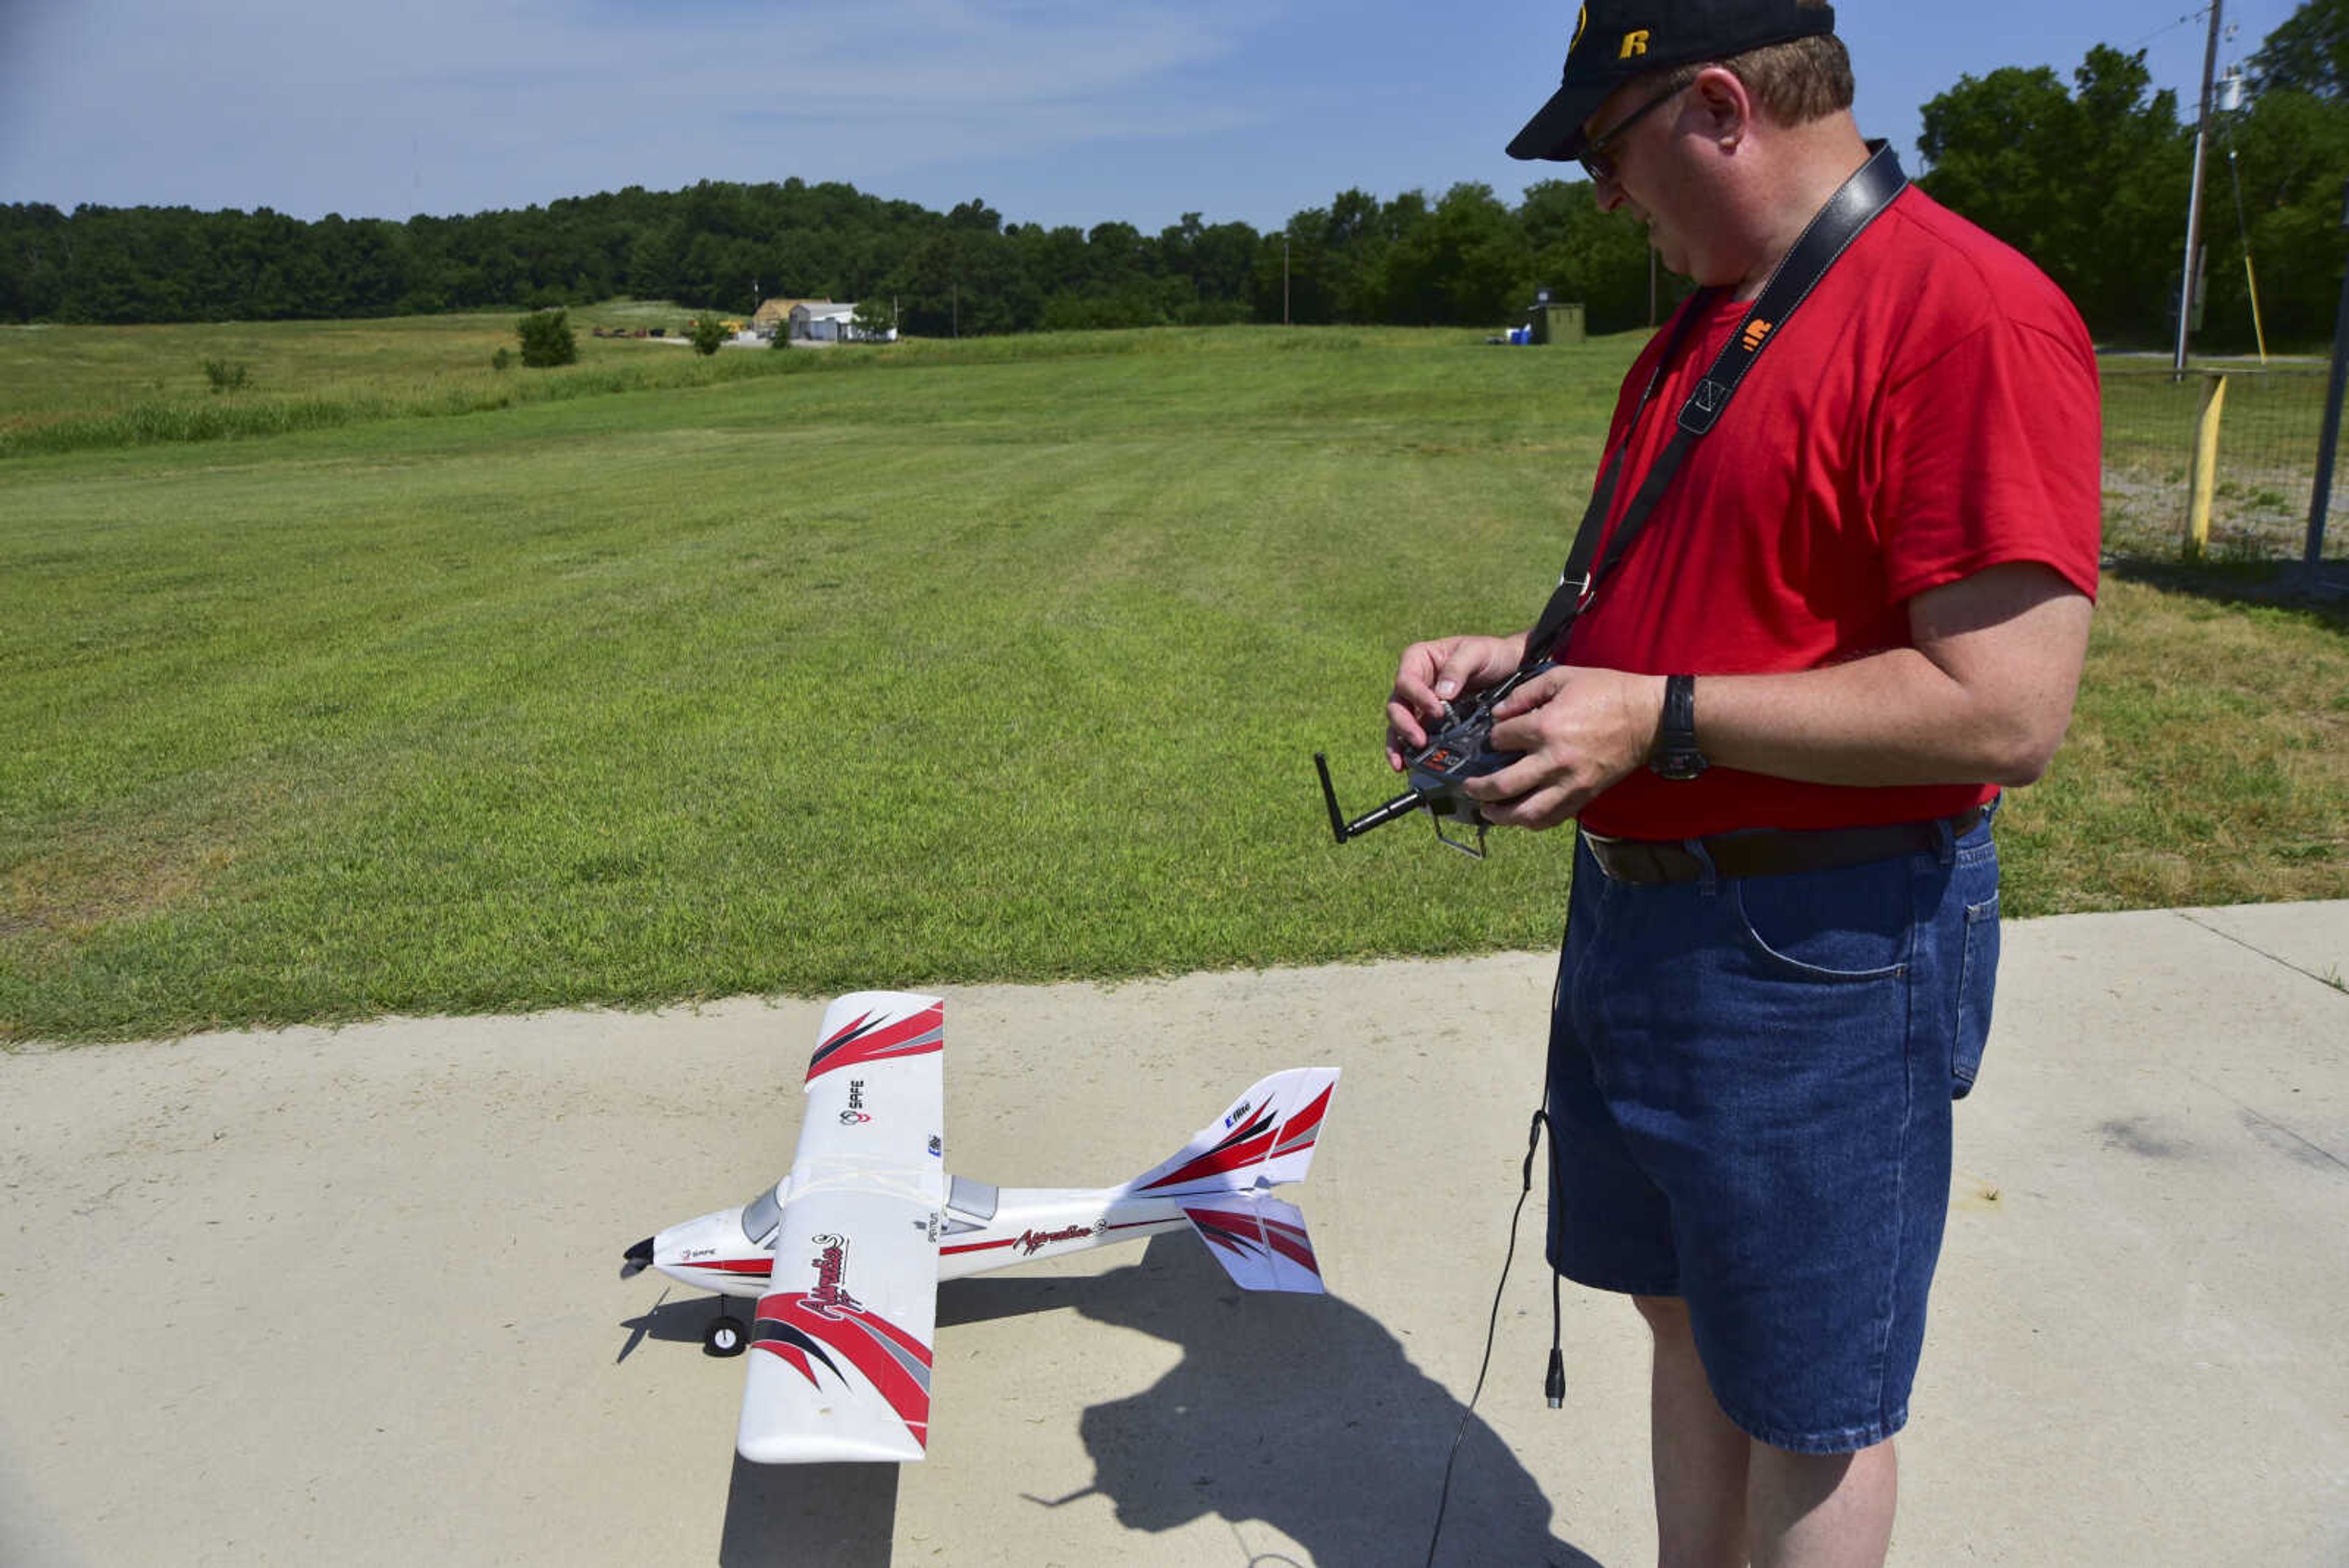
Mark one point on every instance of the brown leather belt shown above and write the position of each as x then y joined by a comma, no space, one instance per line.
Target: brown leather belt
1769,851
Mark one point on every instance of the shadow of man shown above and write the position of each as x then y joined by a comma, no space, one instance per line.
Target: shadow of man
1301,1412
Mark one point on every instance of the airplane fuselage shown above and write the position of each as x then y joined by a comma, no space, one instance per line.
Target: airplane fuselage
980,1228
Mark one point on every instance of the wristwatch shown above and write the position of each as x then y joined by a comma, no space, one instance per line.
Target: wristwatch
1676,756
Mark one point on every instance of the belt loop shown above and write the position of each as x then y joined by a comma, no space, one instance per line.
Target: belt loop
1710,883
1945,841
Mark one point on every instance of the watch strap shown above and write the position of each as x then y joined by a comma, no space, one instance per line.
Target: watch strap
1677,755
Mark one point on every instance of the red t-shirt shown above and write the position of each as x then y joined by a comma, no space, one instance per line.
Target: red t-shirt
1930,411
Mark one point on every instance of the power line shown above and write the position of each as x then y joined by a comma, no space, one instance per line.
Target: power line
2187,20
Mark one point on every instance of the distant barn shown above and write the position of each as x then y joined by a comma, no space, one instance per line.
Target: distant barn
774,315
831,322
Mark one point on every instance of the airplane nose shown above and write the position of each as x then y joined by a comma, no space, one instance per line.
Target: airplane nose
639,1259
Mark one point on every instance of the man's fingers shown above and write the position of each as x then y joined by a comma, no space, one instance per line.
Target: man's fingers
1403,728
1460,666
1531,695
1545,806
1529,774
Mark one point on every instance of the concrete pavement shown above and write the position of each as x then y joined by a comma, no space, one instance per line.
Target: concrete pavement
351,1297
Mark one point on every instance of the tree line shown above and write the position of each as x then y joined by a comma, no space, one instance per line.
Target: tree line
2087,177
1465,258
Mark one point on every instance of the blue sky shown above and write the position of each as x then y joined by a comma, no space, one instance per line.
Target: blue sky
1050,110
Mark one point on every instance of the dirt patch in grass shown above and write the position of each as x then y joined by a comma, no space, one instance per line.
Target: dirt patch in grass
72,893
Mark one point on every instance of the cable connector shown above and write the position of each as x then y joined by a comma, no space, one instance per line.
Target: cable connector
1554,1384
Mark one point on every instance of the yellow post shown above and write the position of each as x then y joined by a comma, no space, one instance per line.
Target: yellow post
2258,331
2205,475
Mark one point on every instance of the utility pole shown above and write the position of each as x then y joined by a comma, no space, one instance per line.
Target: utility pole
2194,196
2320,499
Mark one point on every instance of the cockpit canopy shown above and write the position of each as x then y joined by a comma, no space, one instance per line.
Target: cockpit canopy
761,1217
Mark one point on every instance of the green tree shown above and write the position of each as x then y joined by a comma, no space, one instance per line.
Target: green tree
2309,53
2088,182
1584,255
2287,156
547,338
1467,263
709,334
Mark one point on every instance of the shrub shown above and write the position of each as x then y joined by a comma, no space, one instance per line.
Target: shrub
226,375
547,339
502,358
709,332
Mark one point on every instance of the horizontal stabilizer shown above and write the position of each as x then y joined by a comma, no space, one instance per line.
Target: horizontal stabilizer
1264,1139
1260,1242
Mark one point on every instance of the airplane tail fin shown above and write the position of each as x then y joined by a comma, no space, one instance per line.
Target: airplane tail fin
1265,1139
1219,1178
1260,1242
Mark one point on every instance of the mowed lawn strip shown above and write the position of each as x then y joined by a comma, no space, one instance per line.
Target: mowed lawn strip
990,667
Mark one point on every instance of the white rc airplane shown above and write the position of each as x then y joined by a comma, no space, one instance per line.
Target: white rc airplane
845,1253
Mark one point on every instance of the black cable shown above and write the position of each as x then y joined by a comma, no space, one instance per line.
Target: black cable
1554,1384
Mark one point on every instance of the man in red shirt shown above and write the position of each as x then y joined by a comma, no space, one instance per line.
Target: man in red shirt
1859,609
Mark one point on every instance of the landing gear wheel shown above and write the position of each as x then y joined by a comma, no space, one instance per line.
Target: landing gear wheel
724,1337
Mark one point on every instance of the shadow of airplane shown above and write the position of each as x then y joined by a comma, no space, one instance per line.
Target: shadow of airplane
1301,1412
808,1516
805,1516
1298,1412
674,1322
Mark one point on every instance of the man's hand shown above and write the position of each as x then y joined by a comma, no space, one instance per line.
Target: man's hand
1433,673
1580,730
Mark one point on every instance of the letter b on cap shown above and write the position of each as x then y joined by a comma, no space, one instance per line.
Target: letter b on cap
1634,44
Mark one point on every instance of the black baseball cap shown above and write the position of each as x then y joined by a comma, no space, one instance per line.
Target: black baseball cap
1615,41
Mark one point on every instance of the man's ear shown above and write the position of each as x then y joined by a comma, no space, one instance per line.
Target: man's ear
1724,107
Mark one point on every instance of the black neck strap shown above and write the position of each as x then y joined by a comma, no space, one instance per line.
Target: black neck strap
1831,231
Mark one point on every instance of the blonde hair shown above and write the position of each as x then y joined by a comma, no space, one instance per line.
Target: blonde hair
1794,82
1797,82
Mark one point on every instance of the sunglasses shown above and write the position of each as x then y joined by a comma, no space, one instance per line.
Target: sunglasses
1595,160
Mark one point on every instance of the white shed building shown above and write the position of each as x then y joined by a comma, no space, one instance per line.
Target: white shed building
824,322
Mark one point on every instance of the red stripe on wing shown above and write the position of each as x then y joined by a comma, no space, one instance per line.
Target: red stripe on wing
871,1040
1250,1233
875,1346
1291,1242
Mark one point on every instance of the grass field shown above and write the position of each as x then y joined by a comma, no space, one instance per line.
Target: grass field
995,660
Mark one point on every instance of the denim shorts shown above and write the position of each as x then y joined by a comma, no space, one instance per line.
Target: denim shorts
1750,1088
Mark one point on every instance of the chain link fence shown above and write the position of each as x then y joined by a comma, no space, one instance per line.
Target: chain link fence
2270,427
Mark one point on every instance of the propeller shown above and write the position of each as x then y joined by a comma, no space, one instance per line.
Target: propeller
639,1259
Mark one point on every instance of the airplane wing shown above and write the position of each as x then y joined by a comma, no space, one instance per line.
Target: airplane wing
840,1352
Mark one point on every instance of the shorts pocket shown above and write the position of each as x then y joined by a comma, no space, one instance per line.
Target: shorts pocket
1977,984
1848,925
